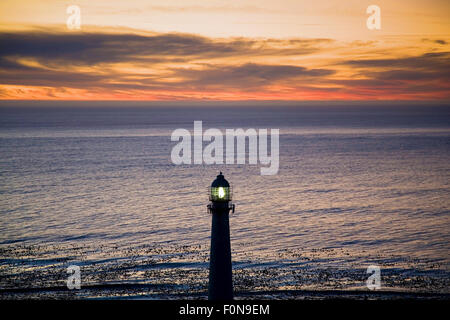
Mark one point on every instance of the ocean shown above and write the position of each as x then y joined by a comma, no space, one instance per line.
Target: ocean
94,186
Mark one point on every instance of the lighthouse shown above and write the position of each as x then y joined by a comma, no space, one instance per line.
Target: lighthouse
220,275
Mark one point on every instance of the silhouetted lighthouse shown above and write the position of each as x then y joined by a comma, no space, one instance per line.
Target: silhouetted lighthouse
220,276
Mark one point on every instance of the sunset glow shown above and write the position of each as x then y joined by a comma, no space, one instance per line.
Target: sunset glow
224,50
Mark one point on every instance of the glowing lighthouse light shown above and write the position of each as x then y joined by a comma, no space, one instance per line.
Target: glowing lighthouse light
221,192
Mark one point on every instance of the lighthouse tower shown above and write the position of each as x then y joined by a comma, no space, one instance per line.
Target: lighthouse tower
220,276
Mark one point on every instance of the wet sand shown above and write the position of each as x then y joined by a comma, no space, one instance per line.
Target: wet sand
181,272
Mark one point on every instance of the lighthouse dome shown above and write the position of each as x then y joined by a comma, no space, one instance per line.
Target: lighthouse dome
220,190
220,182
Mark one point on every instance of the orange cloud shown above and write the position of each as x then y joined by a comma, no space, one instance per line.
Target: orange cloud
100,65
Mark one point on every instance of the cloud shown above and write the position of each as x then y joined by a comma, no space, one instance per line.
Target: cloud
91,59
186,66
410,73
430,61
438,41
250,75
94,48
425,76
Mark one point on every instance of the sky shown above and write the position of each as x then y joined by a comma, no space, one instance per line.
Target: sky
225,50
